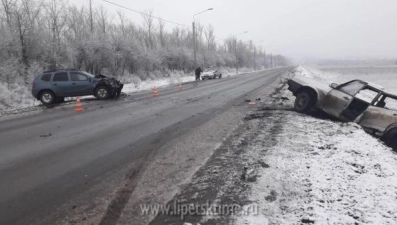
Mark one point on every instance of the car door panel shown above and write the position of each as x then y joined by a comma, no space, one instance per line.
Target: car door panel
61,84
81,84
378,118
354,110
338,101
335,102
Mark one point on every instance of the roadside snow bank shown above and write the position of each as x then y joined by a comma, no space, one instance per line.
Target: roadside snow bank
16,97
326,173
318,171
150,84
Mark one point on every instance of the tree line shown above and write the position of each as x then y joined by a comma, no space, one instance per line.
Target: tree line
39,35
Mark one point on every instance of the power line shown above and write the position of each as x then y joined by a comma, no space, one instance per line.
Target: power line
145,14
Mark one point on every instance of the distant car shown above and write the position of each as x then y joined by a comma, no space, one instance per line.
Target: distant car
211,75
53,86
368,105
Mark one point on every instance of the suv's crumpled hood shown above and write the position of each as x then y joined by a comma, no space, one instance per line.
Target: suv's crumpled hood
101,76
108,79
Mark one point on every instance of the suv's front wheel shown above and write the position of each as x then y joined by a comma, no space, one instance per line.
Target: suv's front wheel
47,97
102,93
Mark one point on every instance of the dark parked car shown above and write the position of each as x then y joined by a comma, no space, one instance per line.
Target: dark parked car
53,86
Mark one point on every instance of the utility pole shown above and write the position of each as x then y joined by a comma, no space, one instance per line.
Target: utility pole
91,17
264,60
235,53
271,60
194,45
195,38
255,58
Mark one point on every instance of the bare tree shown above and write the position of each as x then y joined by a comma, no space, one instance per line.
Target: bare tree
149,26
210,37
122,20
25,16
161,33
103,20
8,5
56,25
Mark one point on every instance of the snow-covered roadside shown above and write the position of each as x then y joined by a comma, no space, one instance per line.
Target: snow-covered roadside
319,171
19,97
174,79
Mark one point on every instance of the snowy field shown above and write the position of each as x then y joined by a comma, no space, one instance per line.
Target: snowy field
319,171
386,76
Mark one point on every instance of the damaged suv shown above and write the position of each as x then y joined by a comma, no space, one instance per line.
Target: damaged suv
368,105
53,86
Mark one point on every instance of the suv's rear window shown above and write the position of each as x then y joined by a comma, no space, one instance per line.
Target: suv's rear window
46,77
63,76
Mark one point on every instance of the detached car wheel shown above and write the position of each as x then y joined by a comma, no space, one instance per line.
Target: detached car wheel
47,97
304,102
102,93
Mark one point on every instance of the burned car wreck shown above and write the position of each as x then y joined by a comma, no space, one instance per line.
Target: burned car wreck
359,101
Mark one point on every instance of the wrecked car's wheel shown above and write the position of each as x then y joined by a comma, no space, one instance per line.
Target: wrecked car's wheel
391,138
47,97
393,143
102,93
304,102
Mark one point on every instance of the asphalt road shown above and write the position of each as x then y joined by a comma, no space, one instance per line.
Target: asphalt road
56,163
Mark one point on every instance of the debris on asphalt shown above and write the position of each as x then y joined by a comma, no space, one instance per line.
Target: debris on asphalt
284,98
46,135
249,174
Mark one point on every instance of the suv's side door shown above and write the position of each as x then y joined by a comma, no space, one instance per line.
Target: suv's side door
61,83
81,84
338,99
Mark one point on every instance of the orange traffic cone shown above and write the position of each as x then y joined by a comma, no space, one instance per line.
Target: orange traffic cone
155,92
79,108
180,86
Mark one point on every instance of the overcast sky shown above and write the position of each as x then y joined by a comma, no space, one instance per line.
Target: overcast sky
339,29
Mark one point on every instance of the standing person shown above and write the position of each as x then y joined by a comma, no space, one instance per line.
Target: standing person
198,73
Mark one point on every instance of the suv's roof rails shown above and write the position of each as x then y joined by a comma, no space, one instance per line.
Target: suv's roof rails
65,69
